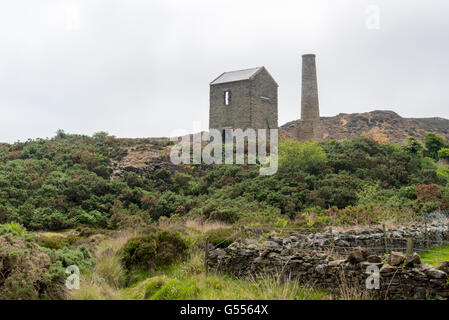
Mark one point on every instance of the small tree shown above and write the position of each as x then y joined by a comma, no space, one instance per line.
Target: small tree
100,135
433,142
60,134
414,147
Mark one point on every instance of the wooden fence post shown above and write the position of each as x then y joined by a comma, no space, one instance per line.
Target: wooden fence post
206,257
447,231
332,239
242,233
426,235
385,238
409,251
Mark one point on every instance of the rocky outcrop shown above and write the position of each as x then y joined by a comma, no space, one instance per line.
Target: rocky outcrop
143,156
379,125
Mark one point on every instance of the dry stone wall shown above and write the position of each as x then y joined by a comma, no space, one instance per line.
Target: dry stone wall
378,240
300,257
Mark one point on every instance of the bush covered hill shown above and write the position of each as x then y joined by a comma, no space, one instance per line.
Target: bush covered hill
135,224
68,181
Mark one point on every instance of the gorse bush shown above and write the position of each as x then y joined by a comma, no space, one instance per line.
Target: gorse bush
172,247
81,257
29,271
434,143
414,146
16,228
139,252
154,251
443,153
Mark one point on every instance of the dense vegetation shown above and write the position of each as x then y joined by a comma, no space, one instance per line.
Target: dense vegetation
184,280
64,182
30,271
153,250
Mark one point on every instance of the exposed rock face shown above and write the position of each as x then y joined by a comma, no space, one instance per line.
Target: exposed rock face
143,156
381,126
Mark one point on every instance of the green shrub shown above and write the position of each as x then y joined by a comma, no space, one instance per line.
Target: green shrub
56,241
28,271
296,156
434,143
51,242
221,237
139,252
443,154
414,146
431,206
171,248
170,203
443,173
16,229
154,251
81,257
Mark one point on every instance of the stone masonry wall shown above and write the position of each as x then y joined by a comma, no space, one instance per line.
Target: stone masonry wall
308,259
238,113
264,101
376,239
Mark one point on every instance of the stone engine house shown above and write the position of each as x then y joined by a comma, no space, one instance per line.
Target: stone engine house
244,99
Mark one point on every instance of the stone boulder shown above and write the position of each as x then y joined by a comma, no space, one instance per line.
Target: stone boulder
435,273
412,260
374,259
444,266
336,263
395,258
386,268
358,256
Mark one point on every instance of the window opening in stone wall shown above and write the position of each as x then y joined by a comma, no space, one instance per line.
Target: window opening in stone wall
227,97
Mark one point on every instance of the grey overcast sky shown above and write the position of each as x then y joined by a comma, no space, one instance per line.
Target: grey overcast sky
141,68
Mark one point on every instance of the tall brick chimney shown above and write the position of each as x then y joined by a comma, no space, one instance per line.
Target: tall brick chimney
310,124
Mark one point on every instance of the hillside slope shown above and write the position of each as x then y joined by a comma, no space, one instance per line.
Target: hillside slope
380,125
